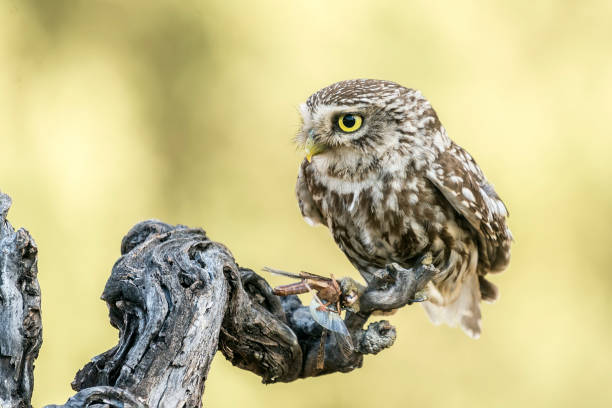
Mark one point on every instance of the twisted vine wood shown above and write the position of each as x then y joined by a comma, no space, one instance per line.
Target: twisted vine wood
177,297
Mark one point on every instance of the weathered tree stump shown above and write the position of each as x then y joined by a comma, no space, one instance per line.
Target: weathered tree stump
177,297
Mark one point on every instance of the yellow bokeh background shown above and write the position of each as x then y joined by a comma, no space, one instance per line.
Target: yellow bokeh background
112,112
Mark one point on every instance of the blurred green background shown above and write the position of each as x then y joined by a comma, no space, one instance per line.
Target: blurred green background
112,112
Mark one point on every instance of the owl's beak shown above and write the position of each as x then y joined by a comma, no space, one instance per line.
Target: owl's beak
312,148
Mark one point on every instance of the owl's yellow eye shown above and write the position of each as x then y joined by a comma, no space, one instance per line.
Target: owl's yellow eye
349,123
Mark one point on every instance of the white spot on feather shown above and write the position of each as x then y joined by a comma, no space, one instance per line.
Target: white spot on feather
456,179
472,167
412,184
439,142
468,194
353,202
413,199
310,221
501,208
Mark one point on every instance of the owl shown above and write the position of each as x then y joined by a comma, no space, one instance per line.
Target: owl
381,173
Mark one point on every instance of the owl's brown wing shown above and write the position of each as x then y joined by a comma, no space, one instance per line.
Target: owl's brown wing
463,184
309,210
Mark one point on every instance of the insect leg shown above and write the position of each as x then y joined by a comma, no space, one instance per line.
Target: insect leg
296,288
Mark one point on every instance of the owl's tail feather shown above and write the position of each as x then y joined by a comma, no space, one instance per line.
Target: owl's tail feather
463,311
488,291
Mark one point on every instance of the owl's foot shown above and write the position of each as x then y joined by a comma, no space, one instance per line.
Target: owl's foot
397,286
395,272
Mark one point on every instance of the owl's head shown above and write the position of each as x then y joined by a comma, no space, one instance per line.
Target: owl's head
363,117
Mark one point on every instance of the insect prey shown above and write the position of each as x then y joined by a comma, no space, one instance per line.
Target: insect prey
325,307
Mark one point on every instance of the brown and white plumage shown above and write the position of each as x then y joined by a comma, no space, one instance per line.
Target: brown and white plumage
398,187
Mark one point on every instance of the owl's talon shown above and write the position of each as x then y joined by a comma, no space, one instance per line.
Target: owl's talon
406,287
427,259
419,297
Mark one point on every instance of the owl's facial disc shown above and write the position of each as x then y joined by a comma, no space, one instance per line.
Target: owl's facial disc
341,125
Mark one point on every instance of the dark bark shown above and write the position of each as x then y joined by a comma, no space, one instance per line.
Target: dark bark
176,297
20,323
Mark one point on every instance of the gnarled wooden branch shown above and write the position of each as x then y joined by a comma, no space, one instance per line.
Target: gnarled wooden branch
167,295
176,297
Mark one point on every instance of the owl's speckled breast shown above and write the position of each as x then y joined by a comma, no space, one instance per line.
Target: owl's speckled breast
390,214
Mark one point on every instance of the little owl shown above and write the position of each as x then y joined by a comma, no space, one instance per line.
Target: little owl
383,176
